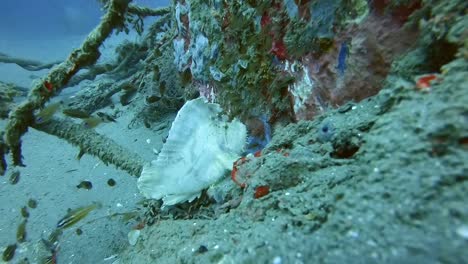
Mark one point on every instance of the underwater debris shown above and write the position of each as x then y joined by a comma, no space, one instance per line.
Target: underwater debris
86,55
8,93
90,142
27,64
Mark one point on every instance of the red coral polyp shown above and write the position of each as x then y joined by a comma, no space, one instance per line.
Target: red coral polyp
261,191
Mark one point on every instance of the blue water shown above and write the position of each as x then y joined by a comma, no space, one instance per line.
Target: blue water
45,18
48,30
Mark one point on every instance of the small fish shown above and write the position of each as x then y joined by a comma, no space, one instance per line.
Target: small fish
111,182
76,113
32,203
47,113
74,216
129,216
3,164
106,117
85,185
14,177
152,99
24,212
92,122
21,232
162,88
185,76
9,252
127,96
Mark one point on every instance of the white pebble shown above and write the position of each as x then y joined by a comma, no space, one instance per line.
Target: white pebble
277,260
462,231
133,236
